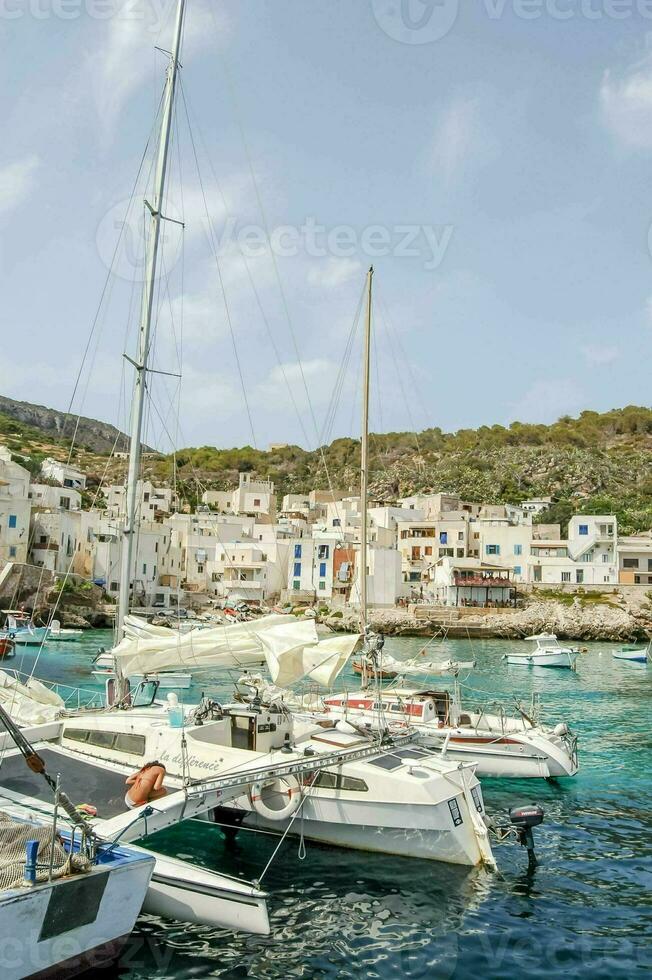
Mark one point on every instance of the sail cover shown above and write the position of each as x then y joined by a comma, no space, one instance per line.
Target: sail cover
320,661
289,647
237,645
31,703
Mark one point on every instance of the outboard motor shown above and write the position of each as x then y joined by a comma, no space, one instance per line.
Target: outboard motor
524,819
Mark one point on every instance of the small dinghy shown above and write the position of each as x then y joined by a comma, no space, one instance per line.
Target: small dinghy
384,675
636,655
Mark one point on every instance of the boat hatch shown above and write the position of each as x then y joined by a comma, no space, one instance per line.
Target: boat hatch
412,753
389,762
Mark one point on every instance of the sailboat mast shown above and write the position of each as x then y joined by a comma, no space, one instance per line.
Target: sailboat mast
364,456
140,364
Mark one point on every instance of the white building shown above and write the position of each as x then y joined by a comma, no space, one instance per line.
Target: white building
587,557
384,578
635,560
152,503
15,509
470,582
63,474
54,498
255,498
249,571
55,538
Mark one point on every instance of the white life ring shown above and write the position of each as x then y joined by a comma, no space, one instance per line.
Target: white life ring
285,791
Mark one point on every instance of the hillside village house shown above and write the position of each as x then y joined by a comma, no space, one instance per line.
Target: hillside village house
64,498
469,582
15,508
152,503
63,474
251,497
635,560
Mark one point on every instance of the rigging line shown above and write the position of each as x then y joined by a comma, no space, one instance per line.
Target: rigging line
108,279
252,282
277,274
392,331
399,375
219,270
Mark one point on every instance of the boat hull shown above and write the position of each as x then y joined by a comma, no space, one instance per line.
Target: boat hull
31,638
406,830
633,656
563,659
182,891
507,757
36,937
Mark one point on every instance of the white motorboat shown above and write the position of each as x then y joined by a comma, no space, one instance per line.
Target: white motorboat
60,634
547,652
20,628
635,655
501,746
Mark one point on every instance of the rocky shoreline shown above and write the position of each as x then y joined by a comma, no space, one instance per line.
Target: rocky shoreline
613,621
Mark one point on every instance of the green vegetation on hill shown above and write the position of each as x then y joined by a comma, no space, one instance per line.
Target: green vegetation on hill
597,463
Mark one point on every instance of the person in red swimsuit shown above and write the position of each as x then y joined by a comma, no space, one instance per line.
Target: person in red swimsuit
146,785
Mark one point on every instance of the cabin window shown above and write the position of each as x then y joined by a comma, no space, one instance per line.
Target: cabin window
134,744
76,734
103,740
326,780
353,785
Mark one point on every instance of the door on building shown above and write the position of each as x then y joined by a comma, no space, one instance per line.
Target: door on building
579,576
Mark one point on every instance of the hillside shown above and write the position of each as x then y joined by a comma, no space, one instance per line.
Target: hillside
600,463
97,437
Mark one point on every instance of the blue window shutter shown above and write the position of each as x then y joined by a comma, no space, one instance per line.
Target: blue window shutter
12,520
297,569
297,551
322,569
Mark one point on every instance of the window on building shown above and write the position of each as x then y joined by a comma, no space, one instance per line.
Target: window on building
337,522
460,552
297,569
565,576
144,568
492,549
579,576
12,520
322,569
518,549
605,559
460,535
443,537
583,529
256,501
12,551
297,551
114,586
322,585
296,585
428,550
517,570
323,551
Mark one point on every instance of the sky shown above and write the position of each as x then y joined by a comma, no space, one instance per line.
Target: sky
493,161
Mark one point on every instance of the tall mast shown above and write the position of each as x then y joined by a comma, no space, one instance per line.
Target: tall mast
364,456
140,364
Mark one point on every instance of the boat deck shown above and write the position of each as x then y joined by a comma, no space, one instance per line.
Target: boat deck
84,782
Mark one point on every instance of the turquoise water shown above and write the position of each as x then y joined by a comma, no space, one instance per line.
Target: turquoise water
586,911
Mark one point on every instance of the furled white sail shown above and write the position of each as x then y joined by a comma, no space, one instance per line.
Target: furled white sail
320,661
29,704
136,627
237,645
424,668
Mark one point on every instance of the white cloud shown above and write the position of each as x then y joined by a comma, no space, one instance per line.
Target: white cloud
600,354
124,58
626,104
17,181
548,399
462,138
332,272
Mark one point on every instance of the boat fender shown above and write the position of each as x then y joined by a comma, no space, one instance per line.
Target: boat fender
12,636
561,729
285,787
